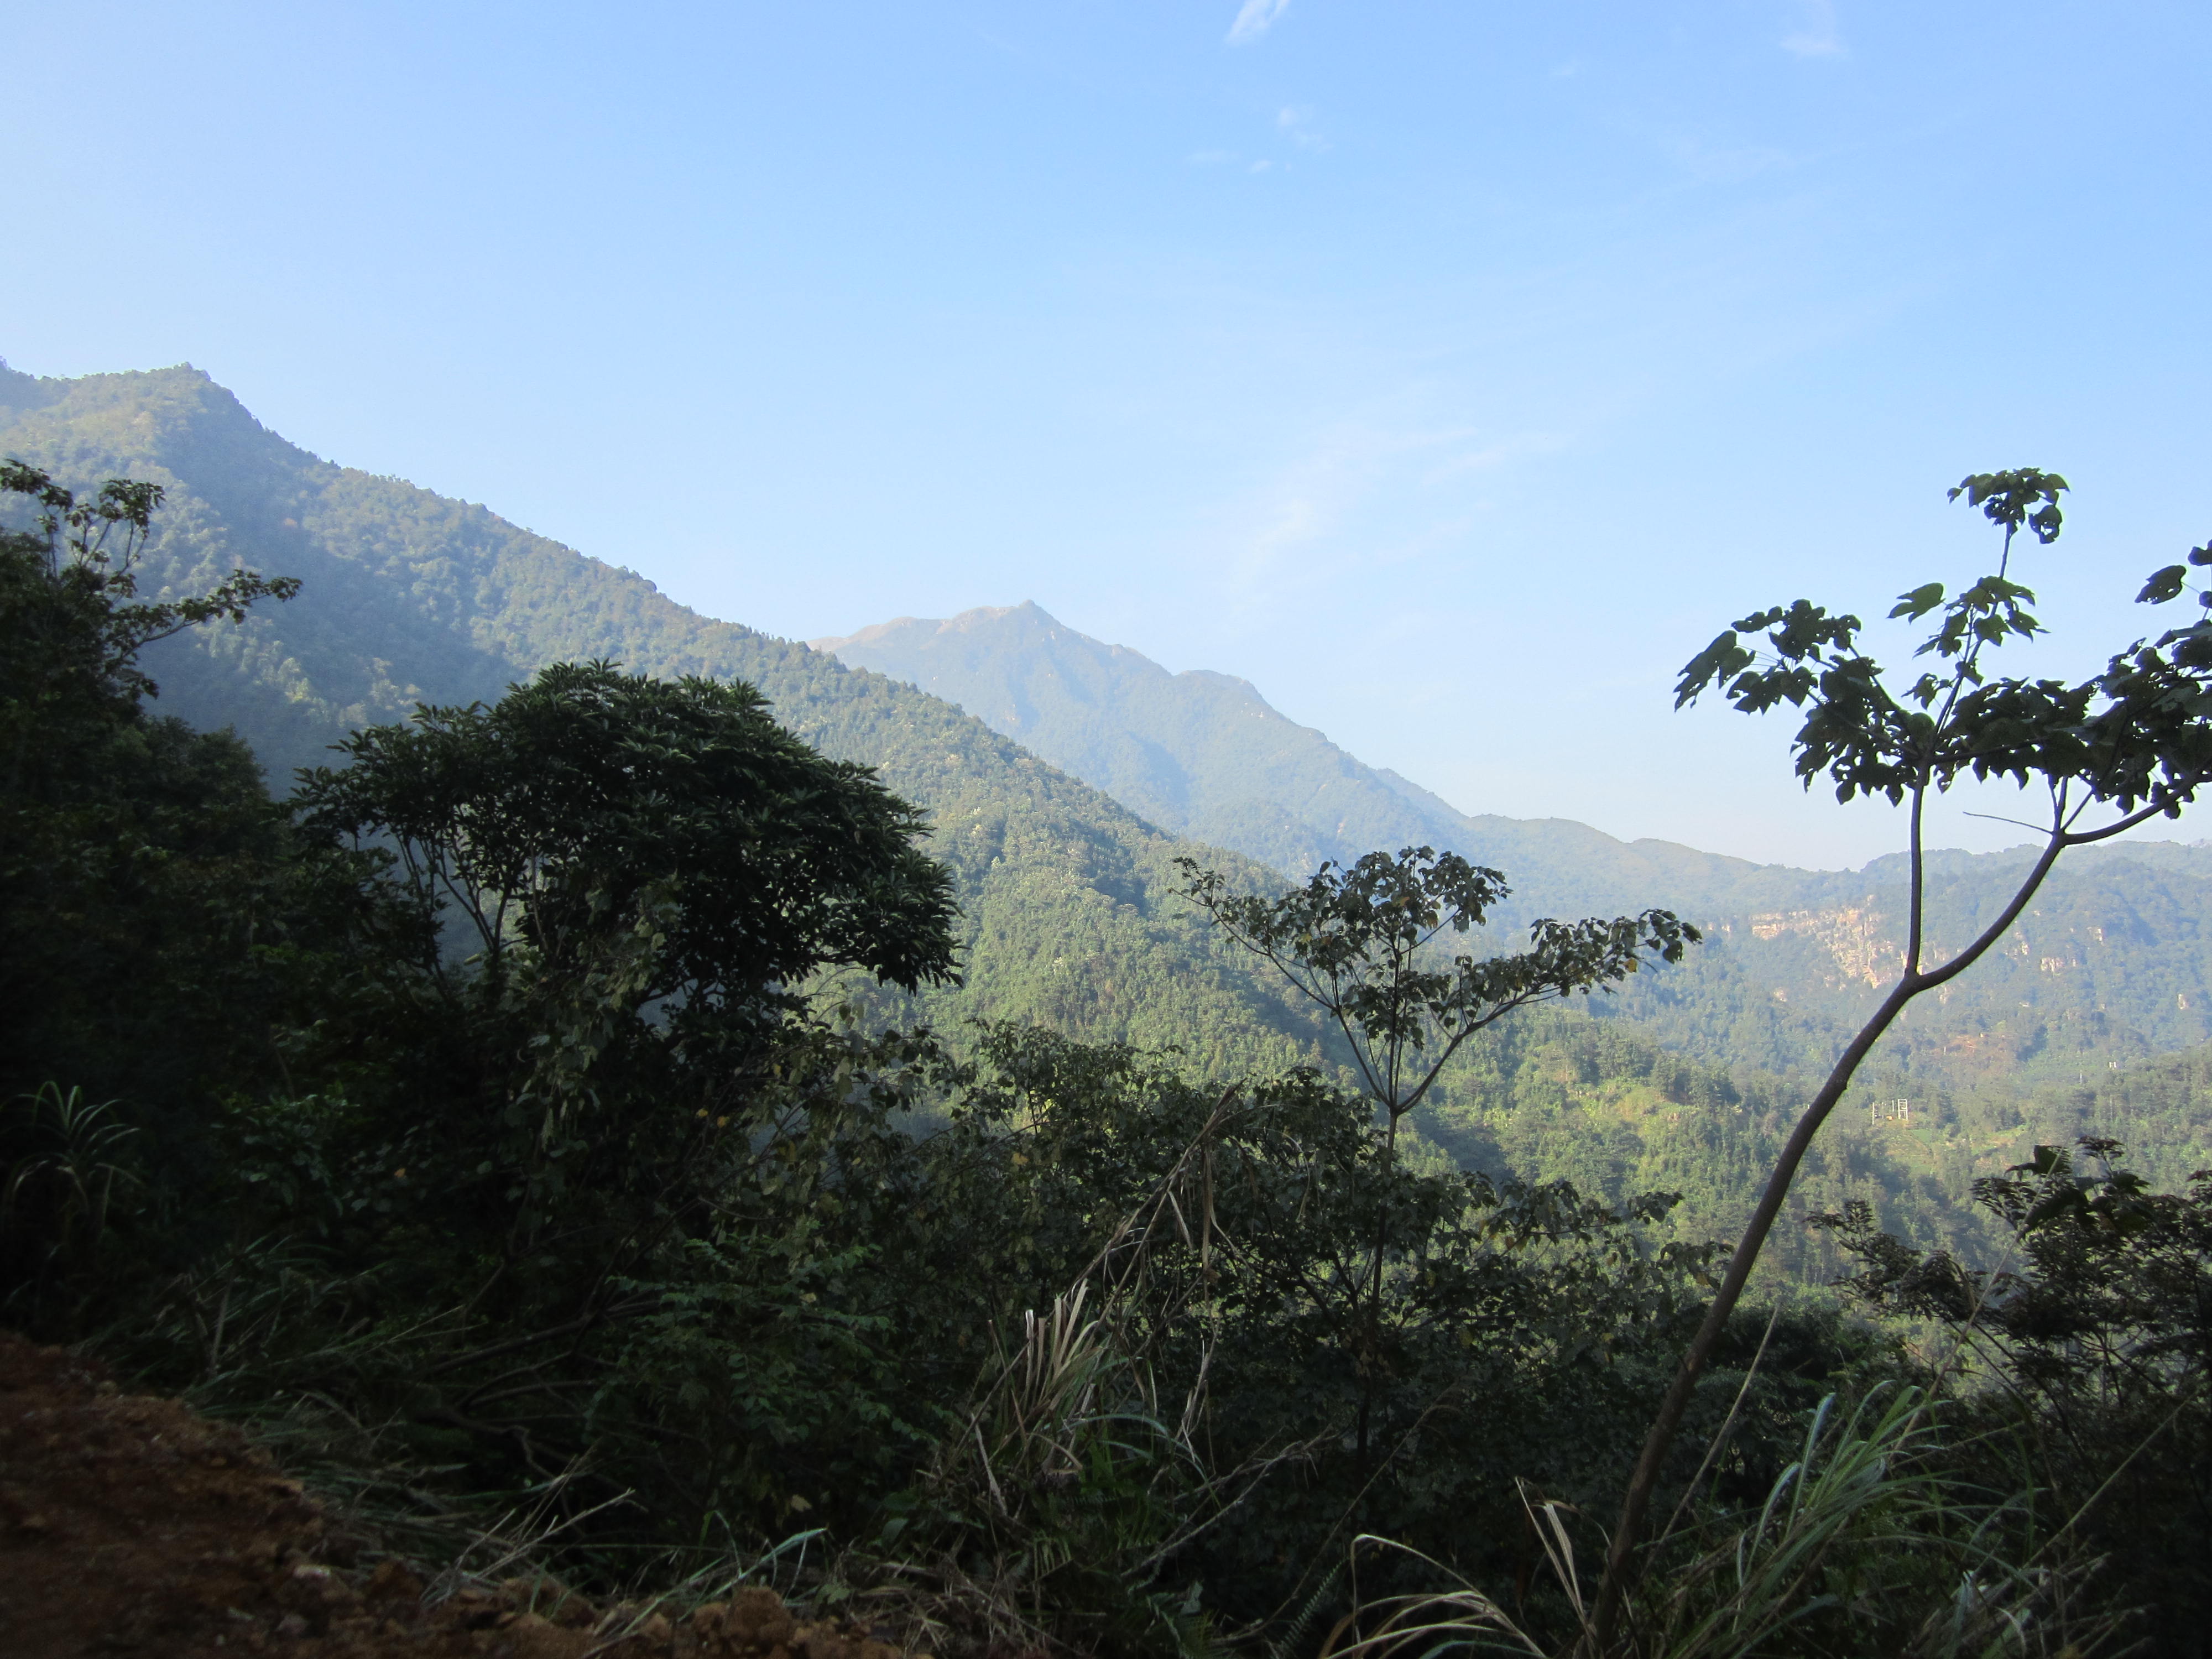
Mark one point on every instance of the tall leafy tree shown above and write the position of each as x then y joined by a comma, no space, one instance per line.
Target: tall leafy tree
1359,942
571,1130
1364,944
587,791
633,881
134,853
2107,753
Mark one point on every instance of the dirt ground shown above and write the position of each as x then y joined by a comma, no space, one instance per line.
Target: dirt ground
128,1525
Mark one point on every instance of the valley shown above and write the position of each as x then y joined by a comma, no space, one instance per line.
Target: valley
1063,776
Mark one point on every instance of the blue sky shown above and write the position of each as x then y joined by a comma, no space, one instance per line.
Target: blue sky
1452,372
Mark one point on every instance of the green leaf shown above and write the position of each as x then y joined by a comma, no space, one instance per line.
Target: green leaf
1919,602
2163,585
2026,497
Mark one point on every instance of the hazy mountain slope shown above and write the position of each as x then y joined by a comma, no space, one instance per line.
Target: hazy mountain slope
1067,897
2109,965
2111,961
1205,754
1201,753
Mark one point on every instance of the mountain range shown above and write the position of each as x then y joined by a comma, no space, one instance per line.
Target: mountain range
1206,755
1068,899
1063,776
1797,951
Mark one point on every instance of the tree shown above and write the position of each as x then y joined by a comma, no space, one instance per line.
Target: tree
588,791
2110,752
1357,943
2099,1336
75,625
1360,942
138,857
633,880
575,1134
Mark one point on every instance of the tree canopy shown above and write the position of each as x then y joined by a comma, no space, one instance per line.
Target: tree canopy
588,793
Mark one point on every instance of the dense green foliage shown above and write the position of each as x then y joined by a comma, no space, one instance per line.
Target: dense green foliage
138,858
2097,1330
533,1156
532,1153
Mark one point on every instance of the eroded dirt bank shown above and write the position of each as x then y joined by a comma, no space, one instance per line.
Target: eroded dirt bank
129,1525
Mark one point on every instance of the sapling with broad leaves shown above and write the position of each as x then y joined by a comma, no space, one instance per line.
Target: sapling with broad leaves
1356,941
2110,752
1362,943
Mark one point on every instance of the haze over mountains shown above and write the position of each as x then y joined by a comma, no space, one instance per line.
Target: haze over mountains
1200,753
1206,756
1060,825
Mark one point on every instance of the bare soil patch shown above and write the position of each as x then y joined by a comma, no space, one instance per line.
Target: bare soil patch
131,1525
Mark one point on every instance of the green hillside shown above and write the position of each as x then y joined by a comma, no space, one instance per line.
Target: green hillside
408,596
1200,753
2107,967
1069,913
1206,755
2110,966
1602,1103
2161,1110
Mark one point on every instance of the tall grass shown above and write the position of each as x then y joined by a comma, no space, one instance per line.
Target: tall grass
66,1160
1862,1546
1067,1482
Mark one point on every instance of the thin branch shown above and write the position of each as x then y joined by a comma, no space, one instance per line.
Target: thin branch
2156,809
2021,823
1919,878
1995,931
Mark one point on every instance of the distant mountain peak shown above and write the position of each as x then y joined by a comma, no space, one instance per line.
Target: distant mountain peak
1204,755
1028,612
1200,752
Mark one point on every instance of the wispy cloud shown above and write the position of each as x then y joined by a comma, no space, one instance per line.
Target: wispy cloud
1368,493
1817,36
1295,124
1254,19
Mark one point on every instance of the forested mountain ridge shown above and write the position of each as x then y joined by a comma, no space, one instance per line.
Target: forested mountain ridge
1070,916
1206,755
1201,753
1069,913
2111,961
